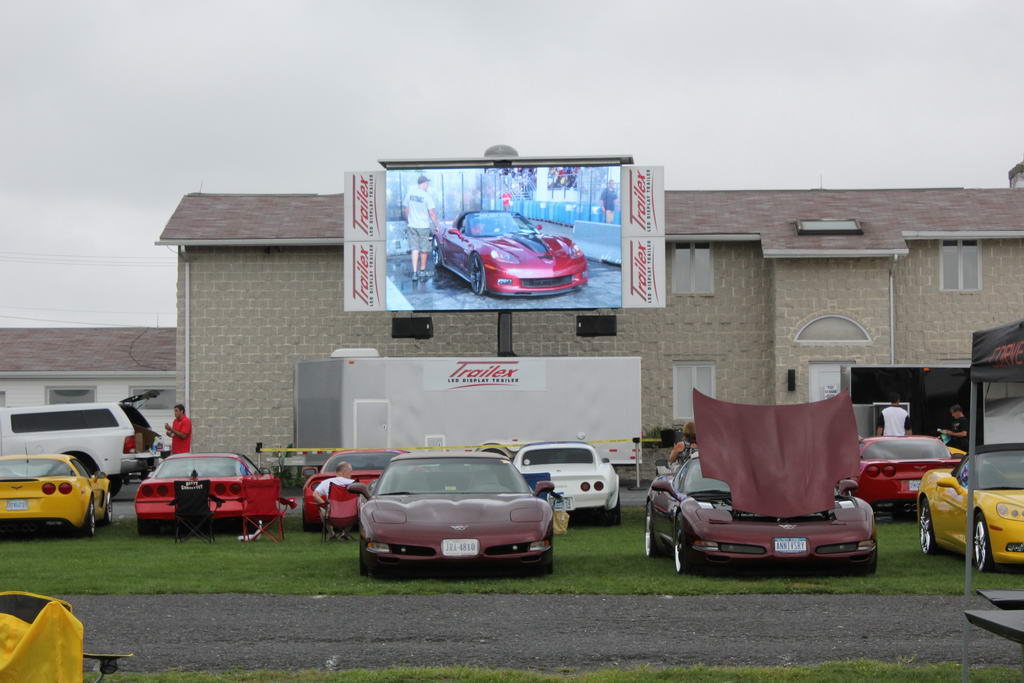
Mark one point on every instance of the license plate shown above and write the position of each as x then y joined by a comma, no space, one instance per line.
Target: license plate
460,547
17,505
914,485
563,503
791,545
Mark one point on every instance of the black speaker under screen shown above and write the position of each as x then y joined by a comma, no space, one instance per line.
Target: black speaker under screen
412,328
790,380
596,326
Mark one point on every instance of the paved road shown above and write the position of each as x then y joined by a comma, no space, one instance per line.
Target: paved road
219,632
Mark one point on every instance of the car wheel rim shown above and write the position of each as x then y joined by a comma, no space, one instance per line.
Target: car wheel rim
926,528
478,277
979,544
678,555
647,535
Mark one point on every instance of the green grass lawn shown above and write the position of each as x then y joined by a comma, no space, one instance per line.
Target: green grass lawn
588,560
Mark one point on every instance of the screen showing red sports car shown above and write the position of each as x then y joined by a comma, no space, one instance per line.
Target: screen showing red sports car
504,238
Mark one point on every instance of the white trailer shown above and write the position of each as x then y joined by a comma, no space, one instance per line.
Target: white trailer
354,401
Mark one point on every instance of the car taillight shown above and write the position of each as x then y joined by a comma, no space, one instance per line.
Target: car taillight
889,470
129,444
143,491
598,485
235,489
220,488
871,470
161,490
585,486
49,488
64,488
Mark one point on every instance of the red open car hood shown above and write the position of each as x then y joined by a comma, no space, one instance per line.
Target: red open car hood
779,461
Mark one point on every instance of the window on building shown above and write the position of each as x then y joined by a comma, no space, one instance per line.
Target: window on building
691,268
829,226
165,400
56,395
961,265
833,329
685,378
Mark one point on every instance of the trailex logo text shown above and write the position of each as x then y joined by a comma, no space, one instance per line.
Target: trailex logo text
364,211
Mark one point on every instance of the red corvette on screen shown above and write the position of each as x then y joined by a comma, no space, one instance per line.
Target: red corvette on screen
501,252
366,468
891,468
224,470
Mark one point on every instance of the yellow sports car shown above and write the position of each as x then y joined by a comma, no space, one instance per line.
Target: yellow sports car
39,492
998,507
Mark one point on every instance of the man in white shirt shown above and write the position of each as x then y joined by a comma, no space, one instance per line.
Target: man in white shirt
323,489
895,420
420,214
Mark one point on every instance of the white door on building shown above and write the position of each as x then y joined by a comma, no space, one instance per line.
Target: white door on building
824,380
371,422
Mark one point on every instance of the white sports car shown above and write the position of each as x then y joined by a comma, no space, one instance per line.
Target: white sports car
586,482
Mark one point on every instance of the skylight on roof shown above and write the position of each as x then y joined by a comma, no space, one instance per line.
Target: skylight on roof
829,226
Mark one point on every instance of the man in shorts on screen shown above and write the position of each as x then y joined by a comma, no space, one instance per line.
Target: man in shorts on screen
421,219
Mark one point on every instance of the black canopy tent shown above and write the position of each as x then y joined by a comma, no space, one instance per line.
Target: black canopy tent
997,355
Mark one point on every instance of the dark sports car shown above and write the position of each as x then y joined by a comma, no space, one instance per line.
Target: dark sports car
434,512
691,518
501,252
366,467
891,468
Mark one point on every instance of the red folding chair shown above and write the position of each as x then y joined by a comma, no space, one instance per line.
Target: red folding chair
263,509
340,512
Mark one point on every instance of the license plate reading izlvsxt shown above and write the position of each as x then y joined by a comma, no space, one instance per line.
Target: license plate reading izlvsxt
791,545
460,547
17,505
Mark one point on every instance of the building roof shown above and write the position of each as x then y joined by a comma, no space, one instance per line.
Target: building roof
888,218
93,349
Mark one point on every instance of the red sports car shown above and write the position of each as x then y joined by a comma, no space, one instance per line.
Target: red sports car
501,252
891,468
429,513
366,468
224,470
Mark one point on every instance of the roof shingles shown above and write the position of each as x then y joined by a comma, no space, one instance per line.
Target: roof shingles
105,349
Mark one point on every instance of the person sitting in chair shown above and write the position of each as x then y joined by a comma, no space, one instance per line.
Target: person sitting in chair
323,489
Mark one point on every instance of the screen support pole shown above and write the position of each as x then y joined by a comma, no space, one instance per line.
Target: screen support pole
505,334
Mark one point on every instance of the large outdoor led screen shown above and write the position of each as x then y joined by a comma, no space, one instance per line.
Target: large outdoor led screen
504,238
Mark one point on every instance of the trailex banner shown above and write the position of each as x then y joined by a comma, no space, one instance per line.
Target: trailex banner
643,272
476,374
364,268
643,201
364,207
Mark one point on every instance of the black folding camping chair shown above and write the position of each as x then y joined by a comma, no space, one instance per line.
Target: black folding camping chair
193,517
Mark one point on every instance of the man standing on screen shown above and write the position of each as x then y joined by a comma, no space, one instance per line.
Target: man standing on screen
421,219
609,201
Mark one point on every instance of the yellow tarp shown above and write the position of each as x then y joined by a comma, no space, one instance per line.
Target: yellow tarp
47,649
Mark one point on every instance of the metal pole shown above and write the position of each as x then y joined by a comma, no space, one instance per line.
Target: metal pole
972,469
637,456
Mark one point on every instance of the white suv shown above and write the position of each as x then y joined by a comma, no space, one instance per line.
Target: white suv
101,435
586,481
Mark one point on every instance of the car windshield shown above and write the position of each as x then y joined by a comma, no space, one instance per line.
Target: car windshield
178,468
558,456
493,224
448,476
906,449
1000,470
696,483
35,467
359,461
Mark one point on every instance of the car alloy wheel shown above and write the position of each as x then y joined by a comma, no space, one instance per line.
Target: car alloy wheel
88,529
477,279
679,551
108,515
928,545
982,545
649,549
436,256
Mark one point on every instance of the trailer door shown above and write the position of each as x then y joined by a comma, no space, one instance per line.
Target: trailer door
371,421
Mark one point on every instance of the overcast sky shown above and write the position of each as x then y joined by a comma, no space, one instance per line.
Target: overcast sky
111,111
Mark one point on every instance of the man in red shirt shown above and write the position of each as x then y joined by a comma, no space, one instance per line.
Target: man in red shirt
180,431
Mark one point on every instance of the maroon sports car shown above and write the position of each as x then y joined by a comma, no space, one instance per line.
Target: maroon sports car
430,513
891,468
771,487
366,467
501,252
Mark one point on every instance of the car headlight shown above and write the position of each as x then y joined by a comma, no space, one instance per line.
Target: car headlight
576,251
540,545
504,257
374,547
1010,511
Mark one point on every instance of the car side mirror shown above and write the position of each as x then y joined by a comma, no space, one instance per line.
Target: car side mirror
543,487
846,487
947,482
99,474
359,489
664,486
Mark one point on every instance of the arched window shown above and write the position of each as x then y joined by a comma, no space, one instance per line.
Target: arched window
834,329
